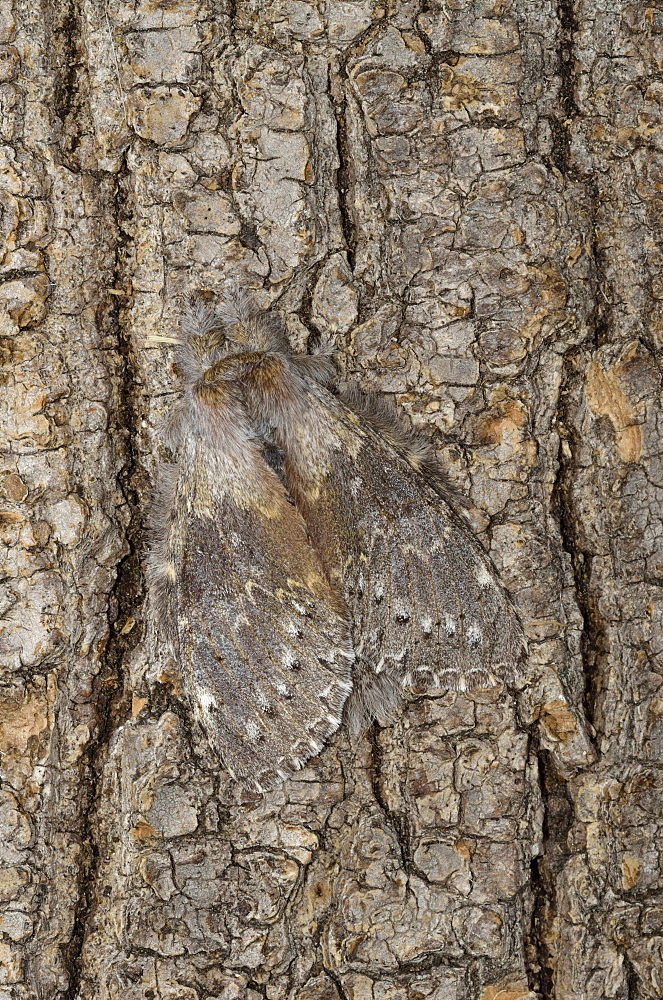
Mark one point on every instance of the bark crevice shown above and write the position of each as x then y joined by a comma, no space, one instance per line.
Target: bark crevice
111,698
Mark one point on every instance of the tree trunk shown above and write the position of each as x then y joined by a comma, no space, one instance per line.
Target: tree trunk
465,197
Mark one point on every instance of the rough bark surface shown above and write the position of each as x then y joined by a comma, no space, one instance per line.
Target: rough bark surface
464,196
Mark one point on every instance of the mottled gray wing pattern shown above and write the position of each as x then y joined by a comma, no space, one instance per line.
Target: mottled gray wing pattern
263,639
427,604
431,605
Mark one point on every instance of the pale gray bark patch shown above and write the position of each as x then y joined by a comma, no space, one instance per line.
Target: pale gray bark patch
464,198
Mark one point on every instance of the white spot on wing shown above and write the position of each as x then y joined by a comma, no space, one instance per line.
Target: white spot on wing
474,635
252,731
450,625
207,701
484,579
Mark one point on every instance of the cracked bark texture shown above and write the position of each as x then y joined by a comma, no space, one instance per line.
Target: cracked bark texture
466,198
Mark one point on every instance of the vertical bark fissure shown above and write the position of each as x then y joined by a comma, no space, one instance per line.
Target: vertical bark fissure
561,129
592,639
602,315
557,822
64,54
632,981
345,183
345,176
112,701
397,823
536,954
571,388
568,26
557,794
338,983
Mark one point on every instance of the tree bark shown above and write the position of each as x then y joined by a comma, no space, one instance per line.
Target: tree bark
465,198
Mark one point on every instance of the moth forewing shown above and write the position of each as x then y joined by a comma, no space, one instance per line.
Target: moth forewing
261,636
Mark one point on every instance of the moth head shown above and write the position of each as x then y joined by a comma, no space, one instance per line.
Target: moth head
248,328
210,332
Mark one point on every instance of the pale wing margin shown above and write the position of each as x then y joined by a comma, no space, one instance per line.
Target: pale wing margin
263,639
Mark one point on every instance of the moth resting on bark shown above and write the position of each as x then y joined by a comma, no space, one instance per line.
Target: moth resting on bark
305,561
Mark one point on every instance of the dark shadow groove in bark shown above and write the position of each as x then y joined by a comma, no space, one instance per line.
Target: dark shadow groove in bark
560,120
112,700
632,979
230,8
557,822
602,320
538,970
345,175
345,182
63,21
536,958
568,28
70,79
336,980
397,822
592,642
111,711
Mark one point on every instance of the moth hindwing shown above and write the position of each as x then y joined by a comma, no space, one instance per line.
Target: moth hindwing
304,557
